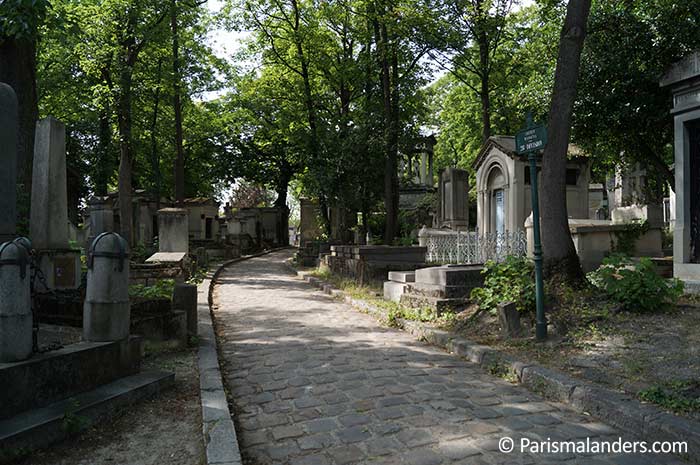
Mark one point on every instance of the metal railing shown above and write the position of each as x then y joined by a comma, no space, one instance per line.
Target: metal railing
470,247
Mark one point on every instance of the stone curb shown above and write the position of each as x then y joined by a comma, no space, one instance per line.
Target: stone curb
645,421
220,441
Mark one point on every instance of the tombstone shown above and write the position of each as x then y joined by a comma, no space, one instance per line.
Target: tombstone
185,298
454,199
15,303
202,258
173,232
48,224
101,217
9,128
309,229
509,319
684,80
107,311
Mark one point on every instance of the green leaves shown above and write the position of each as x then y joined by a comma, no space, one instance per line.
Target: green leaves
508,281
19,19
636,286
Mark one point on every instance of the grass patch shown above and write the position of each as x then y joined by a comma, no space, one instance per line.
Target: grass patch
372,295
677,396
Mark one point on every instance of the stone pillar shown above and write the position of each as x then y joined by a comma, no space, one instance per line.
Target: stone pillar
173,230
48,223
15,303
185,298
8,162
49,215
107,312
454,198
101,217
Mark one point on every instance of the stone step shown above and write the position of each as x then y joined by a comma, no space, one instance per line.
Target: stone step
402,276
691,287
35,429
440,291
440,305
54,375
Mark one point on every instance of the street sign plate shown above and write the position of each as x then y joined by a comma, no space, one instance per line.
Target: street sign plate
531,139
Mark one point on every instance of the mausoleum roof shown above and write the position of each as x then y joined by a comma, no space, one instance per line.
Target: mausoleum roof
687,68
506,144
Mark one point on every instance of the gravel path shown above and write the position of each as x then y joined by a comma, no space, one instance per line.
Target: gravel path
313,381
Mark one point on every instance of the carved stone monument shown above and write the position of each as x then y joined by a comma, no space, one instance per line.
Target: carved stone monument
454,199
8,162
59,264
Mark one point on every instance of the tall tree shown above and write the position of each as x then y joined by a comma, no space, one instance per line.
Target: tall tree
19,22
621,107
467,44
560,257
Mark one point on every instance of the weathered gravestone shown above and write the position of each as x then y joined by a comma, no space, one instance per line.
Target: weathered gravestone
58,263
173,230
107,311
454,199
185,298
509,319
15,303
101,217
8,162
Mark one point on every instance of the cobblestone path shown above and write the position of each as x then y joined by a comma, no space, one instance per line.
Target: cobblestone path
314,381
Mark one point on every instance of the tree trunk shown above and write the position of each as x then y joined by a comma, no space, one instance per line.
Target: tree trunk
281,203
177,107
155,156
18,69
130,54
485,69
104,161
560,258
390,116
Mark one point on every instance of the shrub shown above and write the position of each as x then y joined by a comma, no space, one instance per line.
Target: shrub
163,289
510,280
636,287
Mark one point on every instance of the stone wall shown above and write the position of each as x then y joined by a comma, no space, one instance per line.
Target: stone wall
371,263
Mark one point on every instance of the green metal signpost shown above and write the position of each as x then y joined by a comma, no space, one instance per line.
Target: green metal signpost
528,142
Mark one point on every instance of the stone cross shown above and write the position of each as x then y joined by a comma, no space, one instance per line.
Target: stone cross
9,128
49,215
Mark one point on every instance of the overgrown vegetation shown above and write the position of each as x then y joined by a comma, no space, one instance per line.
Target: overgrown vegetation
507,281
162,289
635,286
677,396
625,242
395,312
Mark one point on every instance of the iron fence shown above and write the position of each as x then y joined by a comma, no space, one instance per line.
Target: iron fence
470,247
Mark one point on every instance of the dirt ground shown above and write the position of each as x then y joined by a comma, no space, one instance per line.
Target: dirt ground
630,352
163,430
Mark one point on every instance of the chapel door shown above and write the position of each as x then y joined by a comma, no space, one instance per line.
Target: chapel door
693,129
499,201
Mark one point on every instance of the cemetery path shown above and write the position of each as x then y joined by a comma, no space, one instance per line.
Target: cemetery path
313,381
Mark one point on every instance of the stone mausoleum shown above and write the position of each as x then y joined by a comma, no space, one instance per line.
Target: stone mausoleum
503,186
684,81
